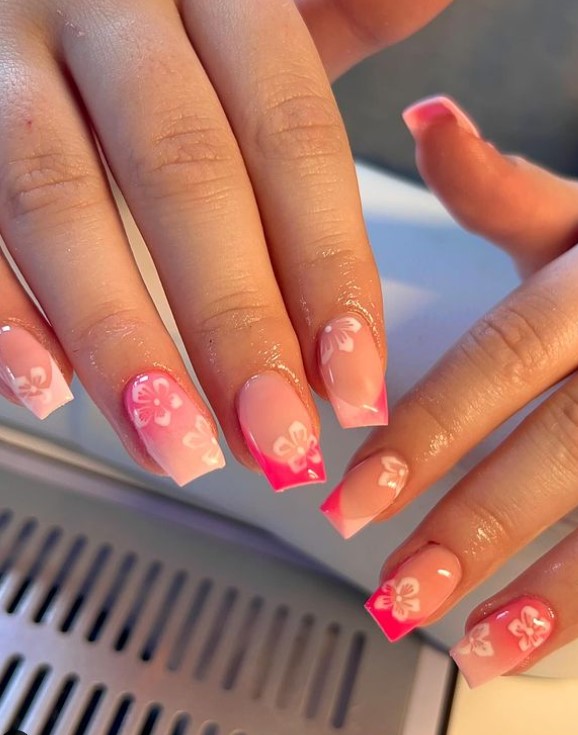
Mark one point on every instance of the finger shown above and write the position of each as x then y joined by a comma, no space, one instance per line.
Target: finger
34,371
522,347
347,31
182,173
295,147
528,211
60,224
514,495
531,618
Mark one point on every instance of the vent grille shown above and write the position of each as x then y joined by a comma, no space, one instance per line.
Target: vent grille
115,623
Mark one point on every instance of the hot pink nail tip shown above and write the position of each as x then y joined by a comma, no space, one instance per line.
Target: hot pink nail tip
418,588
422,114
279,432
503,641
352,371
174,431
365,493
30,373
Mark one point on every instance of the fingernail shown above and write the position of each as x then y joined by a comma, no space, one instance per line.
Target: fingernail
418,588
171,426
352,371
30,373
365,493
419,116
503,641
279,432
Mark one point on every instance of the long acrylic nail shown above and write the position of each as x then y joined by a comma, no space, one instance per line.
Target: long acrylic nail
418,588
279,432
30,373
503,640
352,371
172,428
419,116
365,493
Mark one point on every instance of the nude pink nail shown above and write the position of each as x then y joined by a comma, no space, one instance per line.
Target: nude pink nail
173,429
365,493
418,588
426,112
279,432
29,372
503,640
352,371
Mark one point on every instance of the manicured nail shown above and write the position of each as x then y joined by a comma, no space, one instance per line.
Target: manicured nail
30,373
279,432
172,428
352,371
418,588
503,641
365,493
419,116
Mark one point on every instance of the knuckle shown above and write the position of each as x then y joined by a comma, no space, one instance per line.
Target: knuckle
50,182
234,314
559,425
109,325
188,157
422,409
492,526
297,125
508,346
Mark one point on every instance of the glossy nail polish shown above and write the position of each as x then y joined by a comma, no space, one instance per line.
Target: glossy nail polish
503,641
279,432
171,426
418,588
352,371
426,112
28,371
365,493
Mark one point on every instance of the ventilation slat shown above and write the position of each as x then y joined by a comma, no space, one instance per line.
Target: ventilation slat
244,640
301,655
214,641
326,662
117,589
181,725
13,549
9,678
164,617
55,585
50,709
349,680
122,715
30,693
186,627
268,653
139,611
31,576
86,711
88,584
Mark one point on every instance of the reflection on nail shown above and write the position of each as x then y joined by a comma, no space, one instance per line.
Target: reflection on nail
172,428
279,432
30,373
365,493
503,640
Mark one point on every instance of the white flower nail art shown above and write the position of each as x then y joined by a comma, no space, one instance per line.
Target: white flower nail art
34,386
530,629
203,439
400,597
338,336
478,642
394,474
154,401
298,448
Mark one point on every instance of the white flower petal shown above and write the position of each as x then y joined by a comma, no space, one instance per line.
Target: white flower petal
282,447
298,434
399,612
407,586
38,376
297,463
175,401
344,342
162,416
348,324
142,393
326,348
161,386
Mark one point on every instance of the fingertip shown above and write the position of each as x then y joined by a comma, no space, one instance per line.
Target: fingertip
425,113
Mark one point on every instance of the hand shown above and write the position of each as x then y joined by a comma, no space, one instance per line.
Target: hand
218,123
525,346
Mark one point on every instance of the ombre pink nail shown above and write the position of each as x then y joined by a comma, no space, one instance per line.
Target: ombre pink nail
426,112
29,372
173,429
365,493
352,371
503,640
279,432
418,588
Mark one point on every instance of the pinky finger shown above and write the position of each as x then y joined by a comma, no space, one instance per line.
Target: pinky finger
34,371
532,617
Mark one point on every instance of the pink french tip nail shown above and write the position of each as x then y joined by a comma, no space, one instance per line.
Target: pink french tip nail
418,588
174,431
426,112
365,493
29,372
352,371
279,432
503,640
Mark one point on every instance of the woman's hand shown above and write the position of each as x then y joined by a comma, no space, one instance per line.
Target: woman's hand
526,346
218,123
